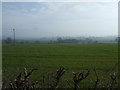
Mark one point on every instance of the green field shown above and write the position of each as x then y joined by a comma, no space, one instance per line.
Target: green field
49,57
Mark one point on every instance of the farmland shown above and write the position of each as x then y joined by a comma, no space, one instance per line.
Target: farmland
49,57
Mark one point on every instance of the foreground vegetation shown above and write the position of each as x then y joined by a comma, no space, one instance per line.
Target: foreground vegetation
73,57
53,80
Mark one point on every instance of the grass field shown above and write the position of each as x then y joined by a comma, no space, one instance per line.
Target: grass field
49,57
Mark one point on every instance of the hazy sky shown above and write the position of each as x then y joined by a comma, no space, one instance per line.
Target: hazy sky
60,19
0,20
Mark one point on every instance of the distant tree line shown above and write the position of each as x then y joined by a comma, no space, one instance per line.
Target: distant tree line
117,39
58,40
87,40
11,41
7,40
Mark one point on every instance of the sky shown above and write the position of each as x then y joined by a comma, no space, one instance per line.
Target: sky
0,20
55,19
59,0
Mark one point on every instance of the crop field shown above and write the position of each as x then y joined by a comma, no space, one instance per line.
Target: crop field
48,57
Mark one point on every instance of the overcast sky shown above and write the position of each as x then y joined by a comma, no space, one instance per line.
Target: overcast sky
60,19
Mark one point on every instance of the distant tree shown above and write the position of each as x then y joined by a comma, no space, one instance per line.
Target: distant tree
37,42
26,41
118,39
96,42
22,41
59,40
8,40
88,40
51,41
